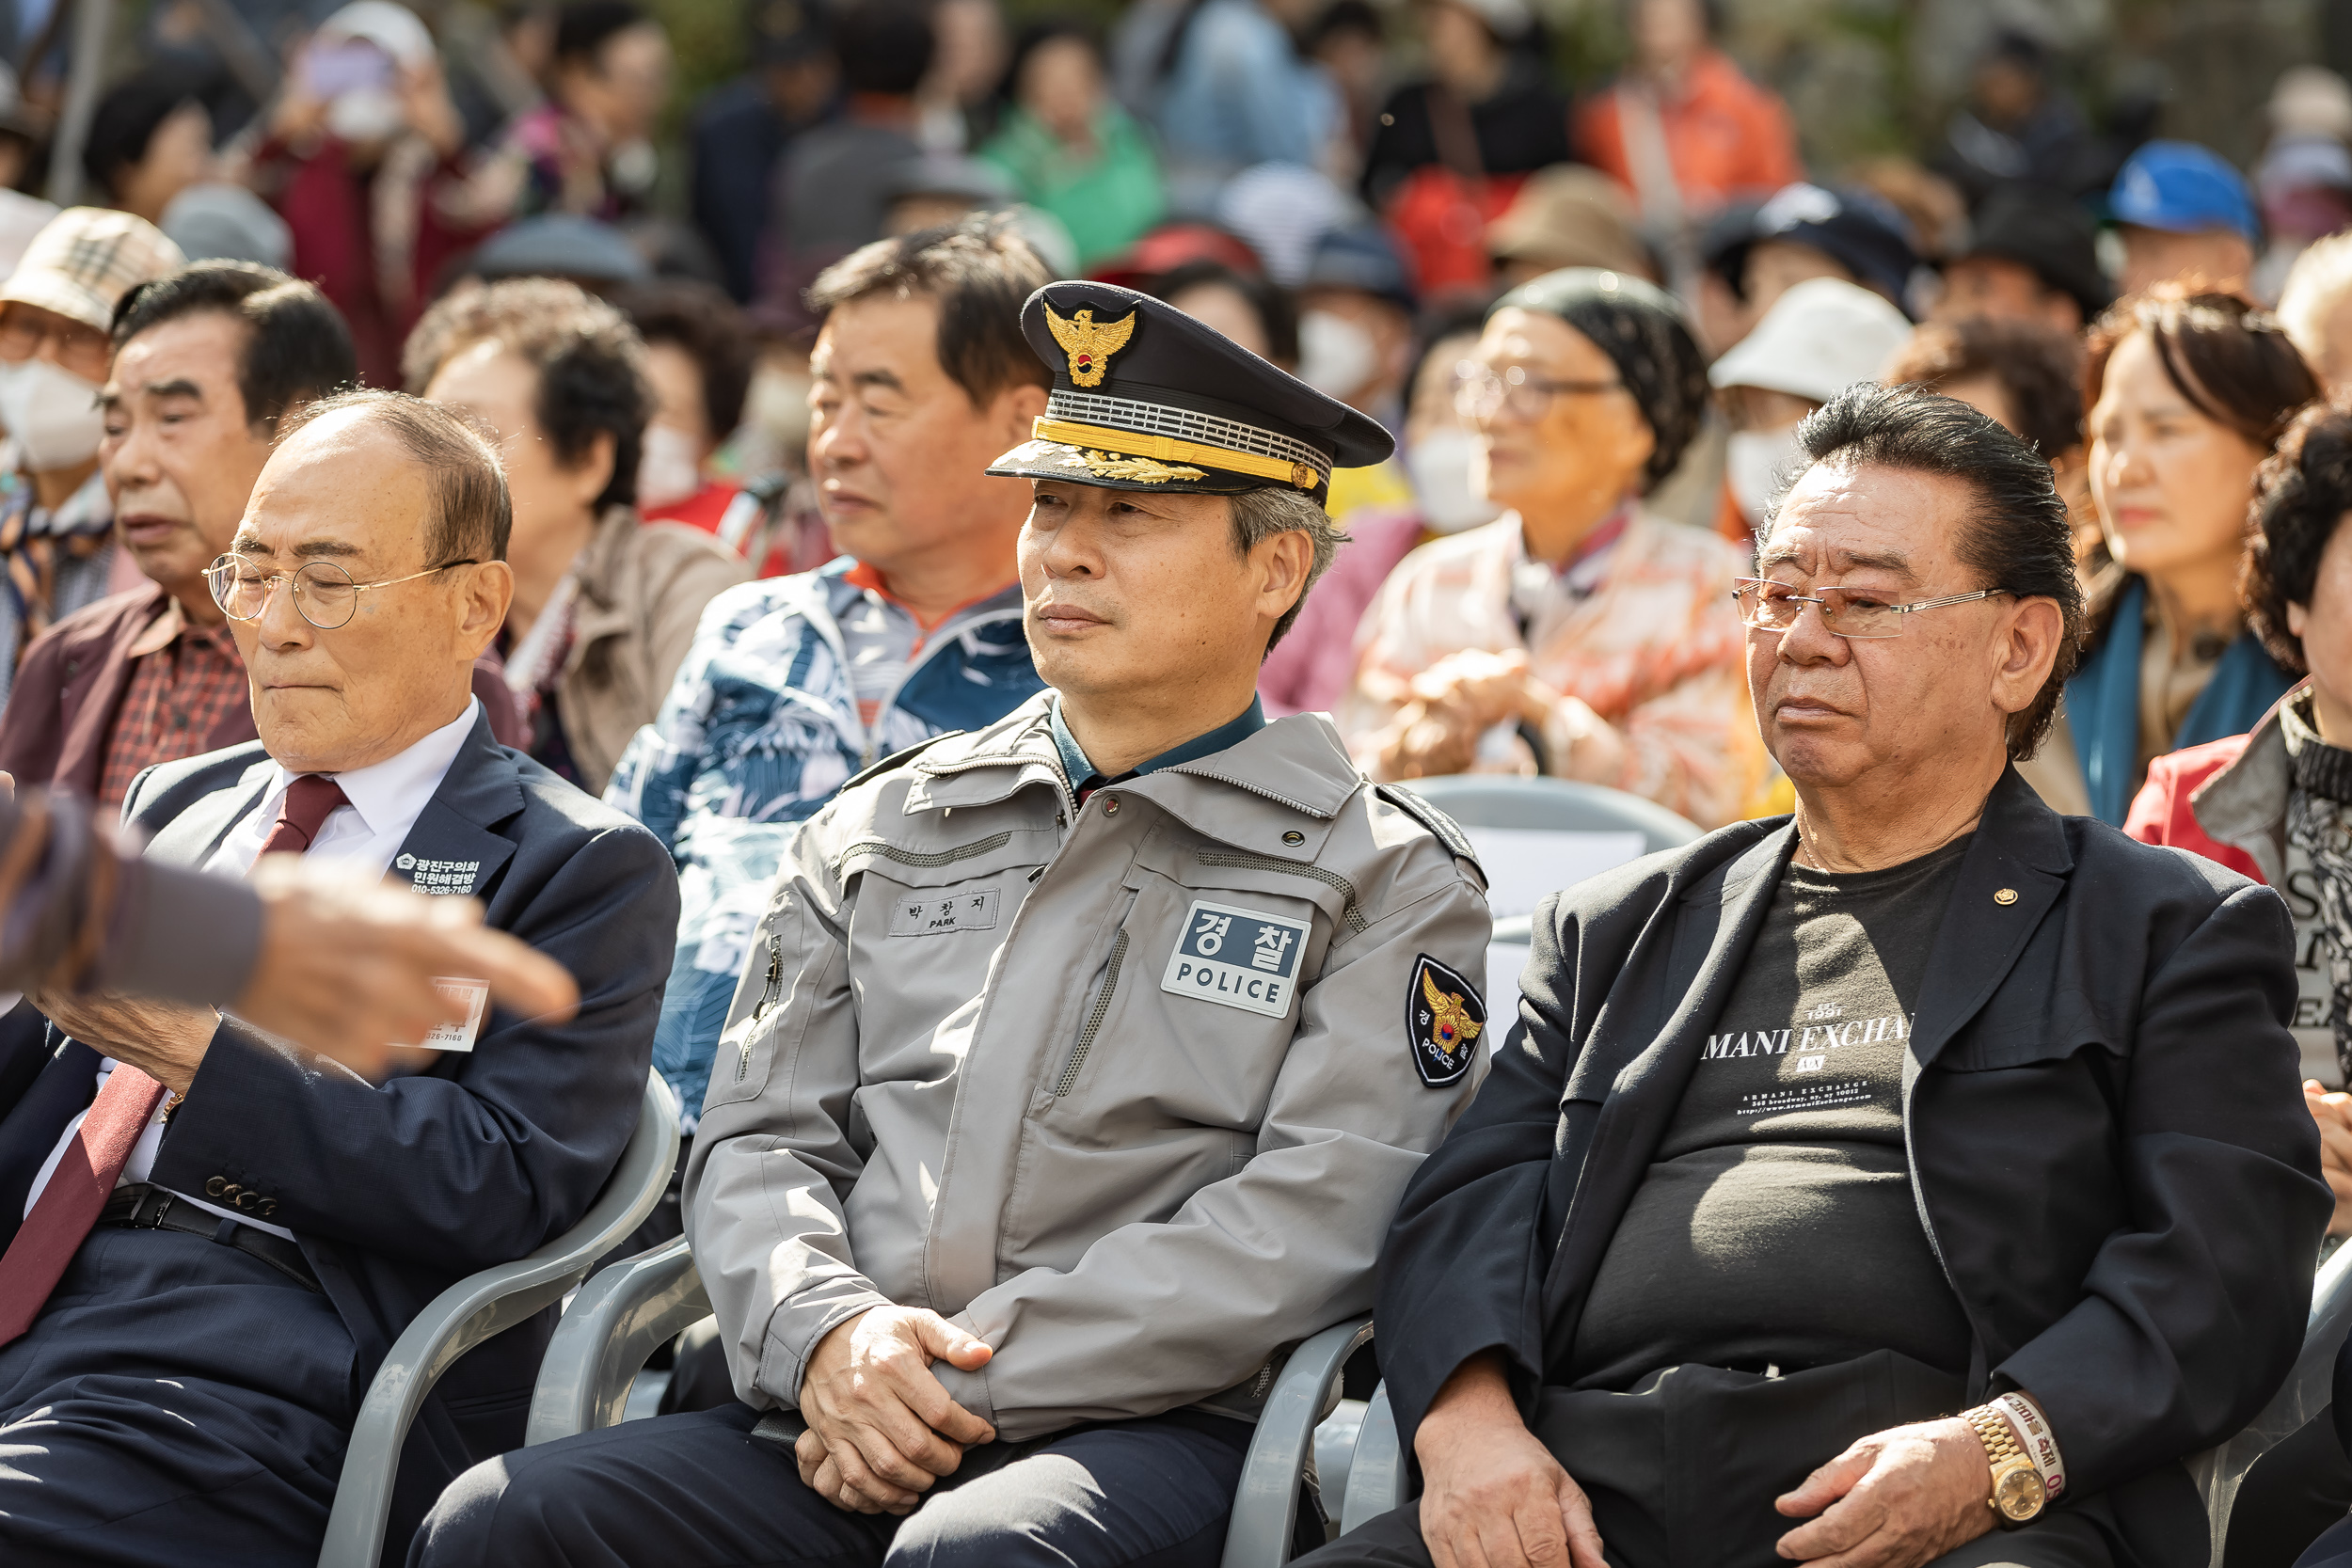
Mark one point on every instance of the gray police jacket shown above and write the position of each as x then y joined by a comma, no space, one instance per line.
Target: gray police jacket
1128,1090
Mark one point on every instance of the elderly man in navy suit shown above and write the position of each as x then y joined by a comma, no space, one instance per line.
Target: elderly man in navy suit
215,1237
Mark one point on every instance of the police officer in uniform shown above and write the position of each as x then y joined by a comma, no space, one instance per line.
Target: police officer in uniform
1080,1060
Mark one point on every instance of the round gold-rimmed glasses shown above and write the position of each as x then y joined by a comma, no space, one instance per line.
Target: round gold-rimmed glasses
1849,613
323,594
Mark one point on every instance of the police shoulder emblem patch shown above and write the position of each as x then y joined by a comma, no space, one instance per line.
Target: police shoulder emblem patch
1443,1019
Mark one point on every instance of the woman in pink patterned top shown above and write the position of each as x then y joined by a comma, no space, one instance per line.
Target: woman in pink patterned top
1577,635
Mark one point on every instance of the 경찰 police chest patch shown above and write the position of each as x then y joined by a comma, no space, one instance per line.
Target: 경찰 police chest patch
1237,957
1443,1019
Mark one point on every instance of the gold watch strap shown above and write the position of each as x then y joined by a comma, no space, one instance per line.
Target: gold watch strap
1996,1433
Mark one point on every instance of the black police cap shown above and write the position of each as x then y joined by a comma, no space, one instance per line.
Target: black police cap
1146,398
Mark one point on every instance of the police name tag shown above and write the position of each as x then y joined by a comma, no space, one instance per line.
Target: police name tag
472,995
1237,958
922,915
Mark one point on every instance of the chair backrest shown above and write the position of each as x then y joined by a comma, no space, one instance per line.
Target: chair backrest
1536,836
478,1306
1507,800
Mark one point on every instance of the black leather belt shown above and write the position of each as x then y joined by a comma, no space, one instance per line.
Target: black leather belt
149,1208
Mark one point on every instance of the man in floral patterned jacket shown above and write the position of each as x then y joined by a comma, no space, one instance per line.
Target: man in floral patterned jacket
795,684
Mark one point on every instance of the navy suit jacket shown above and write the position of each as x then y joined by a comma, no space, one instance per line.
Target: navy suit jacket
2106,1134
396,1193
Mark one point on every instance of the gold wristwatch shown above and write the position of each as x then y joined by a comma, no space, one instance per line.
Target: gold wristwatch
2017,1492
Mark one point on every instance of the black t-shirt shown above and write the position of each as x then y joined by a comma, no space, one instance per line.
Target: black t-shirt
1777,1225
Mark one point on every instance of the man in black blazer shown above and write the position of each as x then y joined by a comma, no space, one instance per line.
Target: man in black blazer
1820,1130
205,1270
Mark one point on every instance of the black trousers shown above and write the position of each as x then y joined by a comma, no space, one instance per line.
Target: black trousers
698,1491
2291,1495
1682,1471
176,1401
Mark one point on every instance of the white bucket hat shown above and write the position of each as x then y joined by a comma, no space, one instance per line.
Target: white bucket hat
1818,339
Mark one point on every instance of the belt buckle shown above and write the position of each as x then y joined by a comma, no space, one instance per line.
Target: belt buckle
143,1216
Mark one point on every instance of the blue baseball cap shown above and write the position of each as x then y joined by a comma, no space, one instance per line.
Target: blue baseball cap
2183,188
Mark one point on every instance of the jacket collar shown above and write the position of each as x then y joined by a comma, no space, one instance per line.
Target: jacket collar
2014,870
2019,845
1291,776
190,838
1715,926
2244,804
453,849
482,789
605,557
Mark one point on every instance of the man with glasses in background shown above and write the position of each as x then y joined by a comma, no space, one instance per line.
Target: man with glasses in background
152,674
216,1239
1858,1184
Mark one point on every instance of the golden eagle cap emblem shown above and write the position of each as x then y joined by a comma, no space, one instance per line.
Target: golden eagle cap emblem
1089,346
1450,1026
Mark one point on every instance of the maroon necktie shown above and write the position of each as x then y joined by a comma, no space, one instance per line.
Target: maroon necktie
310,799
87,1172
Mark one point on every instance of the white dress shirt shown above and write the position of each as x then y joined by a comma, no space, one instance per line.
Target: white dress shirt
387,797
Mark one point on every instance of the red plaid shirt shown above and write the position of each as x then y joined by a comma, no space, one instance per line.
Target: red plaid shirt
178,695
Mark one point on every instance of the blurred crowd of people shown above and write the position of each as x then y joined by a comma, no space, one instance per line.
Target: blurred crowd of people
1260,164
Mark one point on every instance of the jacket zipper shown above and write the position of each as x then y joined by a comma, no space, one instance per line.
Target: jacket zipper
768,999
1350,916
927,860
1094,1016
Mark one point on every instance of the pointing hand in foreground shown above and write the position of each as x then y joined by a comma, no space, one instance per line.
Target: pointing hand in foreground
347,969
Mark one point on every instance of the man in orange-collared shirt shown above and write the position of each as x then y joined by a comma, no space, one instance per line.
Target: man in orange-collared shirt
1684,129
794,684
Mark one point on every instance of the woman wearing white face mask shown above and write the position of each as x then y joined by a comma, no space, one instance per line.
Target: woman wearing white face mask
1817,338
57,524
699,348
1309,671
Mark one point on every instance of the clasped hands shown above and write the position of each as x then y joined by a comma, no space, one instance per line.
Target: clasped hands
881,1429
1446,709
1493,1497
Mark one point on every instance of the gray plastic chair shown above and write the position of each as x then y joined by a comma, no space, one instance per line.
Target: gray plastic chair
612,1326
627,1309
1375,1482
1507,800
2306,1395
1265,1506
478,1306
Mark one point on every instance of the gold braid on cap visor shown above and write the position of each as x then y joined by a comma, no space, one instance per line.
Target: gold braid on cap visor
1168,449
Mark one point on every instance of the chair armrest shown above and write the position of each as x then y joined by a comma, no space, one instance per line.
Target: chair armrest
1375,1480
470,1311
1265,1506
601,1345
2306,1394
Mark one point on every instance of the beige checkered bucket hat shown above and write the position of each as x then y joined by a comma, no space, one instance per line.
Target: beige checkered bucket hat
88,258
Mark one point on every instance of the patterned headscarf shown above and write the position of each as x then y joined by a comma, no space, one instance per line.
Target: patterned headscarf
1641,328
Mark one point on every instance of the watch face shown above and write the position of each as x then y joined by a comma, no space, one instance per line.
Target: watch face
2018,1493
